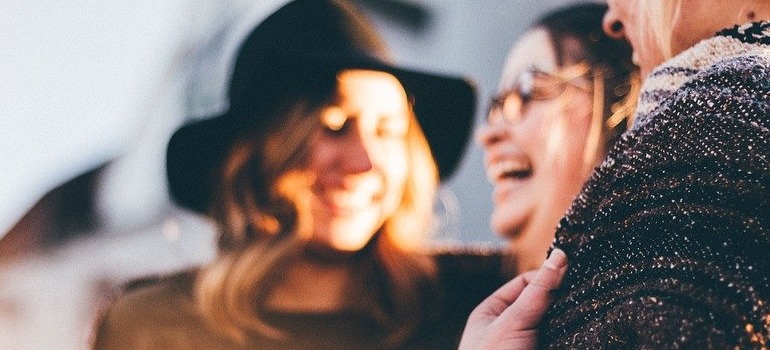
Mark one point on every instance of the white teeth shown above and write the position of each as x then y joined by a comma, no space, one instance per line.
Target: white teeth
349,199
498,169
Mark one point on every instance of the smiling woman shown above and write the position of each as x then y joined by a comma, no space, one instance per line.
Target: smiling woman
365,129
321,178
563,100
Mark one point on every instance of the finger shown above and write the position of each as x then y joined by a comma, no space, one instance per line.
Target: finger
549,276
504,296
535,298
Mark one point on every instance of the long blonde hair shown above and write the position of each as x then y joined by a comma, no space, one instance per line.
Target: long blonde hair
262,210
657,20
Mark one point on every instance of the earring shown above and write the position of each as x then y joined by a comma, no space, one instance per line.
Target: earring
616,26
745,14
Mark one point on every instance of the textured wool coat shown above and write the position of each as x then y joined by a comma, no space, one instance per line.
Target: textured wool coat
669,241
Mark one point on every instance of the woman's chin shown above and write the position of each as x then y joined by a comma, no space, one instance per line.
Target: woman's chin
508,225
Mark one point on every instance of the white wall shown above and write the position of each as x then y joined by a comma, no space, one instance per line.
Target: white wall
85,81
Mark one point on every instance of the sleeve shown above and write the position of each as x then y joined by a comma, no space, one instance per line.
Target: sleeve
668,242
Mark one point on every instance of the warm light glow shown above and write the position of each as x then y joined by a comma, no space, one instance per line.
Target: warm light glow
359,161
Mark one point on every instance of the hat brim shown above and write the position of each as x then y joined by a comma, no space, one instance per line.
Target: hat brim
444,106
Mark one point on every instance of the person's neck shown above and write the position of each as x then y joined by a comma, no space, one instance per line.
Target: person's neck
311,286
531,248
528,258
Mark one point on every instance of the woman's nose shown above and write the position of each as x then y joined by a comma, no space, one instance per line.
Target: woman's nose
491,133
357,154
612,25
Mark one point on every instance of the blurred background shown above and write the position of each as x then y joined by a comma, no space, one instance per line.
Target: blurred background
91,91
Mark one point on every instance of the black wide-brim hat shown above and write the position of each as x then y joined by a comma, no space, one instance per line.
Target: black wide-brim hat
297,43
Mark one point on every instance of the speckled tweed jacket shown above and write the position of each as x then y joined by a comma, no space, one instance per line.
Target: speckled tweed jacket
669,241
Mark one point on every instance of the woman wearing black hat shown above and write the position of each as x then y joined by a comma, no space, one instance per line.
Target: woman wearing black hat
321,176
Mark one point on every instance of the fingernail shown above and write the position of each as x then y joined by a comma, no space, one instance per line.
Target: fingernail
557,259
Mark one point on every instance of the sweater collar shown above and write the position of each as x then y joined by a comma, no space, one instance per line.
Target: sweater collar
750,38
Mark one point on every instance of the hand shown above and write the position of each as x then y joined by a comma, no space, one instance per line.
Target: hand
509,318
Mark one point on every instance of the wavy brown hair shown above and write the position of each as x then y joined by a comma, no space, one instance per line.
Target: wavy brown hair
262,209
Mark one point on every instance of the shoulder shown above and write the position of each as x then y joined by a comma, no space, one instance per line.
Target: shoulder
716,76
152,313
735,88
742,77
156,296
720,113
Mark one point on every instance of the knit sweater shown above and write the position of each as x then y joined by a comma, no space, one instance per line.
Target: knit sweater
669,241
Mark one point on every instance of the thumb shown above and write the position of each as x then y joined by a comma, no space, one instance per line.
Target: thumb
537,296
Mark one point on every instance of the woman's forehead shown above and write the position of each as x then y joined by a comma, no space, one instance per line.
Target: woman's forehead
535,50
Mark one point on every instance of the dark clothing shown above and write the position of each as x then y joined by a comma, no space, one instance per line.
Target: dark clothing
162,315
669,241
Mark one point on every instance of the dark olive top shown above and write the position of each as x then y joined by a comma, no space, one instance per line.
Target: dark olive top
161,314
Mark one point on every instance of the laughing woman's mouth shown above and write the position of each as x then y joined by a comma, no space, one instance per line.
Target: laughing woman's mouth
509,170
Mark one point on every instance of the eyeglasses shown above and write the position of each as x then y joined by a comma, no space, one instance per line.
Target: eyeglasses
536,85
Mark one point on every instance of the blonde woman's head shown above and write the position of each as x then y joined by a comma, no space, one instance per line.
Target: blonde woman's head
661,29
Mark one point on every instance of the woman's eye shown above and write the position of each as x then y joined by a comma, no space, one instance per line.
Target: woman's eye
546,91
391,132
392,128
335,121
525,96
337,129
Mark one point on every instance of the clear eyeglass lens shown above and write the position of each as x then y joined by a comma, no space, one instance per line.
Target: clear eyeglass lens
531,85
